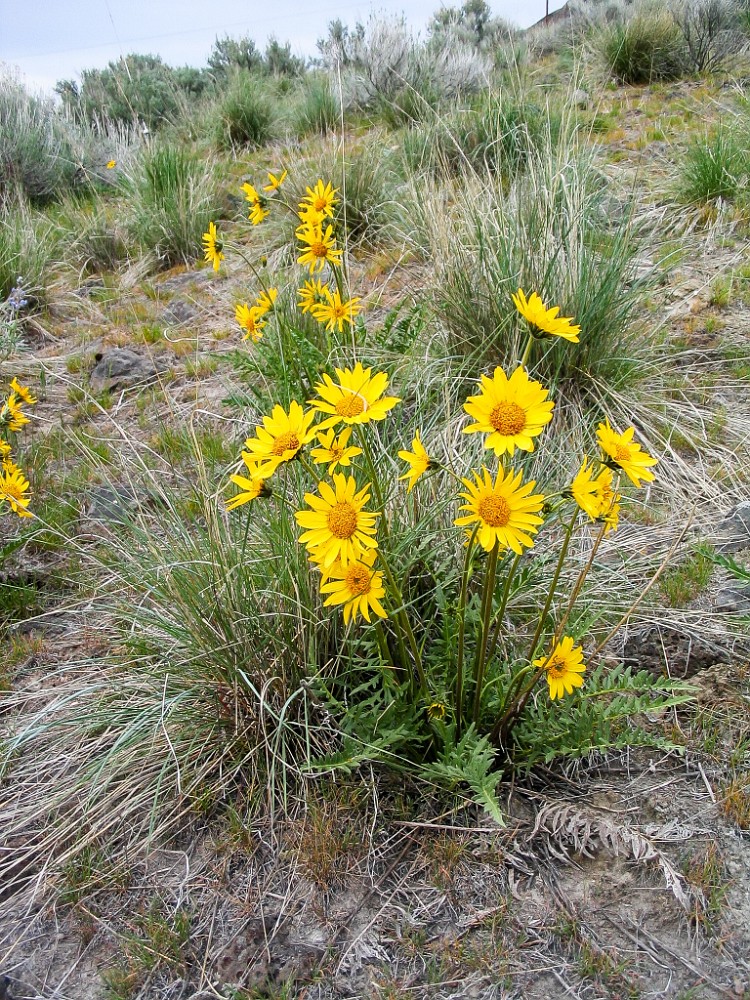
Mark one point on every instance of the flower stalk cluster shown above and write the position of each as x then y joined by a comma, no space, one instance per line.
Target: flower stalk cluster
14,486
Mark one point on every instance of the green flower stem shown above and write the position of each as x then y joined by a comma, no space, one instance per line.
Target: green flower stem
480,662
526,351
462,631
498,617
580,581
553,585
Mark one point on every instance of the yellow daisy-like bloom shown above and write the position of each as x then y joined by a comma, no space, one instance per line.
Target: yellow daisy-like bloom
563,667
337,526
436,710
251,489
334,450
355,399
279,439
545,320
212,247
274,182
595,495
14,489
357,586
112,164
12,416
510,411
334,313
258,209
625,454
419,462
504,510
321,247
23,392
319,200
311,294
257,214
250,319
5,449
266,300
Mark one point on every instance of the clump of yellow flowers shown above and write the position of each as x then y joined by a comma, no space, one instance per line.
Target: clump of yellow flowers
14,486
343,520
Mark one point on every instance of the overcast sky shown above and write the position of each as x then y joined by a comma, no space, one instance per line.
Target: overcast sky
50,40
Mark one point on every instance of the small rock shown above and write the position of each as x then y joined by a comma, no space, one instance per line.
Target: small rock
733,599
667,651
581,99
179,312
84,292
114,503
733,531
121,368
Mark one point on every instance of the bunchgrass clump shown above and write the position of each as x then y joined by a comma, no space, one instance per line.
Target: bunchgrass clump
716,166
644,48
315,109
243,113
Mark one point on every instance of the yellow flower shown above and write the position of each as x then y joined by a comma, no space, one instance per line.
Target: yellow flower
266,300
274,182
251,489
505,512
279,439
436,710
334,313
212,247
258,203
112,164
625,454
357,586
334,450
545,320
311,294
321,247
5,449
319,200
257,214
510,411
14,489
249,318
12,416
563,667
355,399
419,462
337,526
595,496
23,392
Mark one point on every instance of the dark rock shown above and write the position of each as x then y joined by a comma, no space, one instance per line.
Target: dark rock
663,651
114,503
84,292
734,599
179,312
121,368
733,531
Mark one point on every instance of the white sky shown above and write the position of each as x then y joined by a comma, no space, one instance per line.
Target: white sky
50,40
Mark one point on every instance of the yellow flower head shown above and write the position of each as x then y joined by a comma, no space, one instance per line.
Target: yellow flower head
249,318
5,449
279,439
357,586
112,164
14,489
212,247
266,300
23,392
510,411
436,710
311,294
334,450
274,182
257,214
252,488
251,195
419,462
595,495
624,454
12,416
334,313
337,526
504,511
355,399
563,667
258,204
321,247
546,321
319,201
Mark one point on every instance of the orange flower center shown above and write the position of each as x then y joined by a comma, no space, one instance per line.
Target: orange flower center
622,453
358,580
337,452
285,442
508,418
320,204
342,520
350,406
555,667
319,250
494,511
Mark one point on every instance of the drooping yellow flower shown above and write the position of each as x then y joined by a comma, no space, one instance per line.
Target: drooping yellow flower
563,667
625,454
333,312
419,462
23,392
437,710
510,411
212,247
321,247
266,300
112,164
311,294
334,450
258,209
12,417
14,489
252,488
279,439
545,320
5,449
355,399
504,510
319,200
250,319
274,182
337,526
357,586
595,495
